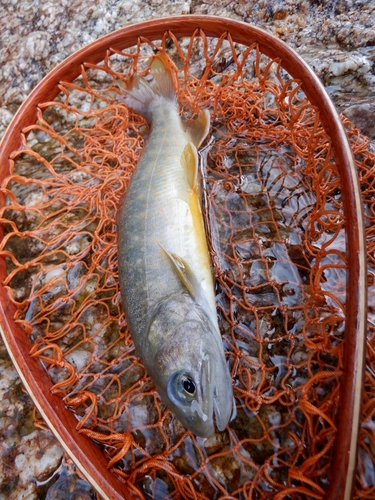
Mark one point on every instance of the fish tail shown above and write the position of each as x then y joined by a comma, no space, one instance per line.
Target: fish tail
143,97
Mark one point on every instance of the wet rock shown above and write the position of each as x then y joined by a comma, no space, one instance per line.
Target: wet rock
362,115
69,487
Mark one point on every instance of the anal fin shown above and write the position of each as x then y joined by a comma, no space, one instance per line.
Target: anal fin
189,161
198,129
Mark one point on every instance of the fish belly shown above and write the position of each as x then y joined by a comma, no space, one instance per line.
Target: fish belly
160,213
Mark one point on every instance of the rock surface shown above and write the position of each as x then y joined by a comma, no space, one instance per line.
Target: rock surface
336,38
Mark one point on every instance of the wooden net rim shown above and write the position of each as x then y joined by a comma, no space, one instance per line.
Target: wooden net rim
80,448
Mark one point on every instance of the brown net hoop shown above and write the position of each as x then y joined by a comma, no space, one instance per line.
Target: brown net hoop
274,214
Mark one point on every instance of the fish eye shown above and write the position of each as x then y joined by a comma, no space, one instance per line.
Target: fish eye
188,386
182,388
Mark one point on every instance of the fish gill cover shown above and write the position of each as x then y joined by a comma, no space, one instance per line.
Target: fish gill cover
274,215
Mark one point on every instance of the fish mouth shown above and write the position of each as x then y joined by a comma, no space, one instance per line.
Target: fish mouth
220,420
218,401
206,399
214,406
222,396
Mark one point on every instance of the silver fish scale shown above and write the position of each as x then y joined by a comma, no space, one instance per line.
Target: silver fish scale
149,217
166,279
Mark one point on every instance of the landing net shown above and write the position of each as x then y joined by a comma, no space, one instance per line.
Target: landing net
277,237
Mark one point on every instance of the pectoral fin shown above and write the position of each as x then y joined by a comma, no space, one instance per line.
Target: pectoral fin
189,161
183,271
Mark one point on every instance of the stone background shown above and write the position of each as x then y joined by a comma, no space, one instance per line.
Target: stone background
336,38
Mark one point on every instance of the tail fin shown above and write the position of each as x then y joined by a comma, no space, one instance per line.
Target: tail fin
144,97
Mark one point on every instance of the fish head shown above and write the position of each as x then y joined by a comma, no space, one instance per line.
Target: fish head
189,368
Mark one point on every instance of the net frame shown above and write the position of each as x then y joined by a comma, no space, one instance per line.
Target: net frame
242,33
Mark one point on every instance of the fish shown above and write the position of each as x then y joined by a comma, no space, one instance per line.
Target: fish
165,273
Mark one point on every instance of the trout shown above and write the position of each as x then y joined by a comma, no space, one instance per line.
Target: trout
165,274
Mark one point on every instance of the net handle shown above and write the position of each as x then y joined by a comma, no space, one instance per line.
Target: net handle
344,463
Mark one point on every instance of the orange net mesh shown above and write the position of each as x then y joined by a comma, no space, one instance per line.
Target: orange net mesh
277,237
